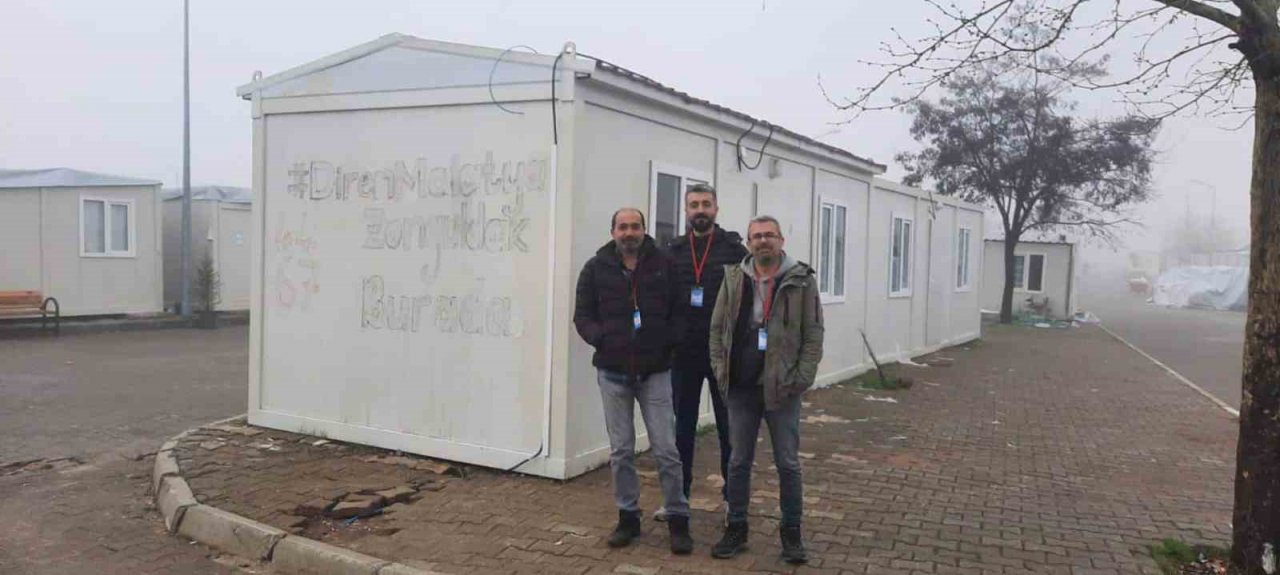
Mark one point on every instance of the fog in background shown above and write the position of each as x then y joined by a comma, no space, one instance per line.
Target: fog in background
97,85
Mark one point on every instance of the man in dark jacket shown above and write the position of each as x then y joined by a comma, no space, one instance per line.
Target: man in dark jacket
700,257
628,308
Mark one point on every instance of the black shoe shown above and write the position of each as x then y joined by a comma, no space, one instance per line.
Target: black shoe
733,542
792,545
681,541
627,530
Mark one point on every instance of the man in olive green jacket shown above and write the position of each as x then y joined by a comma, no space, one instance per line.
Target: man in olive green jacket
765,345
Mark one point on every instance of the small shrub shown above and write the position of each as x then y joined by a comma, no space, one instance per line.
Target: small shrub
208,286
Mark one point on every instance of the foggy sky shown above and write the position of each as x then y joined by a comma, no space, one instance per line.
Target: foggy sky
97,85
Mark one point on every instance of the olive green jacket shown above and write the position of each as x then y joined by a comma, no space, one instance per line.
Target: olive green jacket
795,333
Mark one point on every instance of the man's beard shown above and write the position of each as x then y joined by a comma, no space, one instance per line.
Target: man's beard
629,247
766,260
702,224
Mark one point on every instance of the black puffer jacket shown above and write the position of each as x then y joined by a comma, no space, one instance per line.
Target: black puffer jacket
726,249
603,311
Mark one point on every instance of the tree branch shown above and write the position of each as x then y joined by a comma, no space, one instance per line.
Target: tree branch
1216,15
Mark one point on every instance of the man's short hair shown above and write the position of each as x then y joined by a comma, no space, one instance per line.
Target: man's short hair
613,222
701,189
765,219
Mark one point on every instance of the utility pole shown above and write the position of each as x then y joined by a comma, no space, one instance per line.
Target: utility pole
1214,244
186,159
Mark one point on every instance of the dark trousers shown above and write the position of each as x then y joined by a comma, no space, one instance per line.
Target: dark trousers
746,411
686,390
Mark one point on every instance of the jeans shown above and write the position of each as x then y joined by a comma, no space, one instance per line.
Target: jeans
653,393
746,409
686,389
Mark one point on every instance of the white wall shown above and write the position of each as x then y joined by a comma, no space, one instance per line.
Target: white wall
43,251
218,229
844,351
1059,270
20,228
233,254
405,305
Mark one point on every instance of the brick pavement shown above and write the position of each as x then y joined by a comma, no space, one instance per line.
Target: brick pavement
1038,451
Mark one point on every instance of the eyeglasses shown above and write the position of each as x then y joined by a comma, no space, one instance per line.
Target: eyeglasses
764,236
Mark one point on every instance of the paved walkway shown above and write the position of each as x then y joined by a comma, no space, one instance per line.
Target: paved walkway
1038,451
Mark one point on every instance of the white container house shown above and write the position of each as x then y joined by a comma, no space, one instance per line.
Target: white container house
1044,278
92,241
423,210
220,229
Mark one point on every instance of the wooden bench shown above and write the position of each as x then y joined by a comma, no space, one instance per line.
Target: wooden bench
29,303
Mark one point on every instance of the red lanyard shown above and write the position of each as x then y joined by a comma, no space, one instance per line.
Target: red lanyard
767,302
699,264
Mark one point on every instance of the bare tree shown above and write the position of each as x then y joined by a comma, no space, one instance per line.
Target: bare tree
1004,137
1193,56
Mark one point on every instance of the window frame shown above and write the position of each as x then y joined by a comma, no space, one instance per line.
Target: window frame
965,250
827,292
131,225
907,256
687,176
1025,276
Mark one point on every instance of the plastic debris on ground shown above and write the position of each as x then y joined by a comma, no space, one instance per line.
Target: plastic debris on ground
883,399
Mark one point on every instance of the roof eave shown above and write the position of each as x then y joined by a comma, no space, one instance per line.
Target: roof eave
396,39
631,82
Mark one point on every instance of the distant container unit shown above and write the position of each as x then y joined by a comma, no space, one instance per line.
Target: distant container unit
422,210
220,229
90,240
1044,278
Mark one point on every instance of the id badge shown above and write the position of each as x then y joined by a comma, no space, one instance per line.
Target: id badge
762,339
635,319
695,297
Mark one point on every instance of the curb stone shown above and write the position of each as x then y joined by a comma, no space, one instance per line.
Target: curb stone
173,499
229,532
308,556
247,538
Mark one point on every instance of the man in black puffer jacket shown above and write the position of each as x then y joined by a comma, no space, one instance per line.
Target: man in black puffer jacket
700,257
628,308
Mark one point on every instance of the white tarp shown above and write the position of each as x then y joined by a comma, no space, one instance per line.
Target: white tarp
1216,287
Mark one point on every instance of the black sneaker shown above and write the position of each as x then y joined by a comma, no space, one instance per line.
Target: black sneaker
792,545
627,530
681,541
733,542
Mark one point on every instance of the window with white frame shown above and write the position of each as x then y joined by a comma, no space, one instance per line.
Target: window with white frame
963,240
831,250
106,227
666,199
1028,277
900,257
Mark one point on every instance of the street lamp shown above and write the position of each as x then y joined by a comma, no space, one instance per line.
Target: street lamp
186,159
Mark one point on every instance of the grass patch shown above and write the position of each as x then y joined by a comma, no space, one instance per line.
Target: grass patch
1171,555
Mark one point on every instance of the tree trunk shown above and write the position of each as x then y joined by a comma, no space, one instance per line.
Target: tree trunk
1256,524
1006,297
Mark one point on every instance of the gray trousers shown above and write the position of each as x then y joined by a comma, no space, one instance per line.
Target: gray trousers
653,393
746,410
